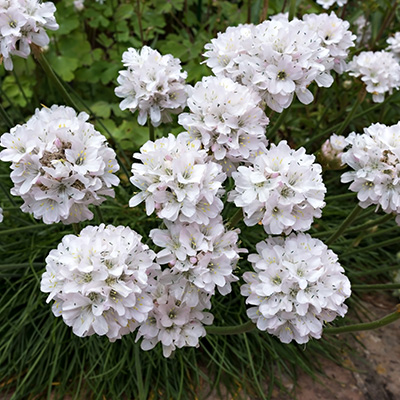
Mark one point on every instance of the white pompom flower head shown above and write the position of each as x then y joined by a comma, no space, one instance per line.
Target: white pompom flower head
153,84
176,181
22,23
296,287
99,281
60,165
283,190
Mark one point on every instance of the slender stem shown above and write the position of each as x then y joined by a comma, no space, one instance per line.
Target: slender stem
41,59
281,119
7,193
248,11
360,99
366,326
340,196
377,286
292,9
139,15
151,131
361,227
231,330
99,214
20,88
21,229
76,227
350,218
14,266
236,218
374,246
6,118
264,12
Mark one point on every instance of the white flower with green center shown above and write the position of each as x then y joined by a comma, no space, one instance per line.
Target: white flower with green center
100,280
60,165
296,287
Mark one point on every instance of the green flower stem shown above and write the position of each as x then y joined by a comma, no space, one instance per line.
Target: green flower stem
22,229
339,232
76,227
151,131
231,330
292,9
41,59
383,286
345,123
340,196
361,227
5,117
16,266
281,119
236,218
374,246
366,326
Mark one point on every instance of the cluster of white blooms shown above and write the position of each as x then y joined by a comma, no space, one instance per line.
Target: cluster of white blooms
202,257
173,322
60,164
329,3
394,45
153,84
379,70
280,58
23,22
99,281
297,286
227,119
177,181
375,158
331,152
283,190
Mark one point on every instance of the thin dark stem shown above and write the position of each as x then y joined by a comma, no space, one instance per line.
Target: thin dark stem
231,330
374,246
350,218
7,193
20,88
41,59
264,12
236,218
387,21
377,286
76,227
151,131
292,9
139,15
388,319
281,119
6,117
249,11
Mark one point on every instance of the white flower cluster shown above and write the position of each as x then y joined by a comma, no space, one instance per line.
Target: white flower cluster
297,286
60,164
326,4
330,156
279,58
173,322
176,180
375,158
201,258
394,45
227,119
283,190
153,84
23,22
99,281
379,70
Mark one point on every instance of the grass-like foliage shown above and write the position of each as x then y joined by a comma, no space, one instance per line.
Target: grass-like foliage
40,357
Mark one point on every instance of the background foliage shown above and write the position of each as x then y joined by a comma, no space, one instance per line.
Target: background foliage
39,355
